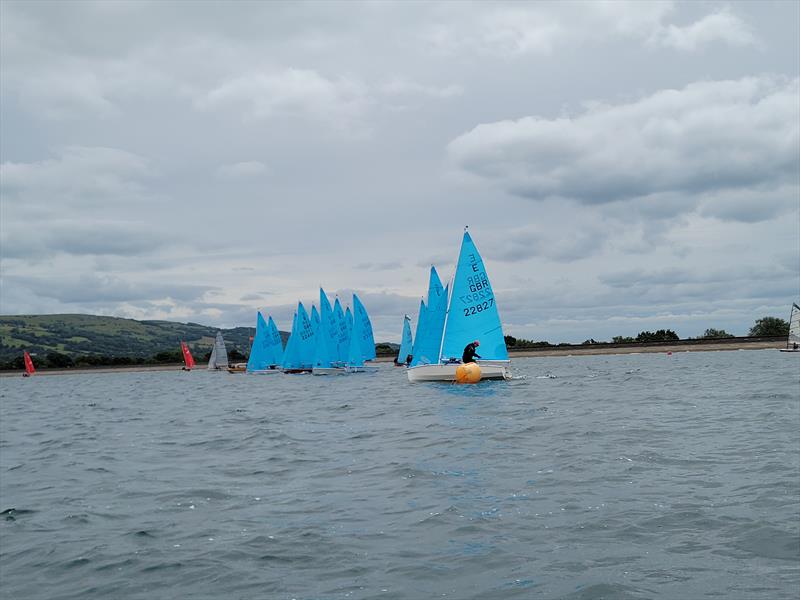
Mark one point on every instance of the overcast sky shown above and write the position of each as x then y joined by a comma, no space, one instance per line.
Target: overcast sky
622,166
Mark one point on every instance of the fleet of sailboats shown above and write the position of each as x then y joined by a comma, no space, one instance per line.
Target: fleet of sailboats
333,340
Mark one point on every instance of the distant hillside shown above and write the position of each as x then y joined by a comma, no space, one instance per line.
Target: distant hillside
82,335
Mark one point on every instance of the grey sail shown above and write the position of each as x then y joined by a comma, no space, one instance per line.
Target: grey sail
794,328
219,356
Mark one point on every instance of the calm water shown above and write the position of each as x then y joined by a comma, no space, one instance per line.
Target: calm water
624,477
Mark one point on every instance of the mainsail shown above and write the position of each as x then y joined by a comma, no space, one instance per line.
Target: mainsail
261,350
406,341
305,339
472,311
219,355
431,324
342,332
188,359
328,326
290,360
29,370
355,351
794,328
418,337
275,342
362,327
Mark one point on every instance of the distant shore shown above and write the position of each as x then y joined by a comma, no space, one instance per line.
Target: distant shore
598,349
566,350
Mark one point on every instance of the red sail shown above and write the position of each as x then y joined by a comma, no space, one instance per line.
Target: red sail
187,356
28,364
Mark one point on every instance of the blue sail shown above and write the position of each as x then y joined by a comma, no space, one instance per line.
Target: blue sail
429,340
322,355
349,318
435,289
364,329
472,314
406,341
275,343
290,359
342,333
314,317
330,331
355,351
260,350
419,336
305,340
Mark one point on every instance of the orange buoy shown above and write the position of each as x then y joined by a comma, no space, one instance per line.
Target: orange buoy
468,373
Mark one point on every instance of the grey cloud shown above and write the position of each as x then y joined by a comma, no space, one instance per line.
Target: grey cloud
89,289
249,168
83,238
511,30
79,175
708,136
566,245
386,266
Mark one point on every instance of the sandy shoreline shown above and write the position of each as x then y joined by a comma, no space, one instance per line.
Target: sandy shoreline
553,351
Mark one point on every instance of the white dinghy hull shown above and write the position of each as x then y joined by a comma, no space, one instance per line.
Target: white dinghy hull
491,370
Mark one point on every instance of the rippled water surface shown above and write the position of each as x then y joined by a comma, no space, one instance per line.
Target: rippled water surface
623,477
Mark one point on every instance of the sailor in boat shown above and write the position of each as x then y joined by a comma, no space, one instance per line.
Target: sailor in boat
410,358
469,352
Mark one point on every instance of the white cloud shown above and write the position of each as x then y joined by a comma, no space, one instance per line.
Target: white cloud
706,137
722,26
250,168
513,29
78,174
338,102
404,87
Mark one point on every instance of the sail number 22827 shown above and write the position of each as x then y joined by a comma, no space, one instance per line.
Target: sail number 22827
481,295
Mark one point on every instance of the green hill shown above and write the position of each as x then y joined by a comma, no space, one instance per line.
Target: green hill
89,335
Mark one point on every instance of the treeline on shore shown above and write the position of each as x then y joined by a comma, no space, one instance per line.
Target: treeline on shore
764,329
59,360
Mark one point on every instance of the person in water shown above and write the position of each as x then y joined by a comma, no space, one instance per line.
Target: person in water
469,352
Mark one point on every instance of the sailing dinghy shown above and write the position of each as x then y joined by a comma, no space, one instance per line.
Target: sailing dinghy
406,343
471,314
300,348
188,359
793,341
360,336
266,349
219,355
326,356
29,370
